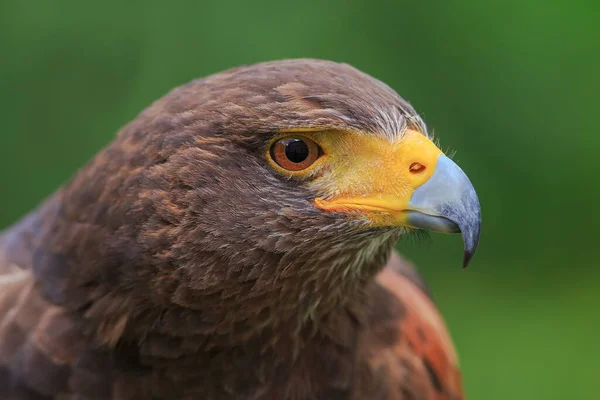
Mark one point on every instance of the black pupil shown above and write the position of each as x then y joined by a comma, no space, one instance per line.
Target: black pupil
296,150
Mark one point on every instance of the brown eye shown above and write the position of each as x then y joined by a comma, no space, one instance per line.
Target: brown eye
295,154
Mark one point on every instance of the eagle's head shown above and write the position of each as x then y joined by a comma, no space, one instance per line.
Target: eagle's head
268,192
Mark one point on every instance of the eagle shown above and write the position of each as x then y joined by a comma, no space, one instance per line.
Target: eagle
236,241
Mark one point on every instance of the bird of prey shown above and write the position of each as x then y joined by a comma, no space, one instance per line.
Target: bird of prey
236,241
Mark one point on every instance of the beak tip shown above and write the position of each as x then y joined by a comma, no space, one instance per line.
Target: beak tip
467,258
471,241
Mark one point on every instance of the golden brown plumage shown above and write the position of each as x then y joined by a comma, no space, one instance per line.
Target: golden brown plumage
182,263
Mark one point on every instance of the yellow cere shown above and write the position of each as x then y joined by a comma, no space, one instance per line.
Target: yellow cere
369,175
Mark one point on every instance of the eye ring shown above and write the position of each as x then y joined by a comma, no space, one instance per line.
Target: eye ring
295,153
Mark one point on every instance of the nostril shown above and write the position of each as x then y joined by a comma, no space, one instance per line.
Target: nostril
416,168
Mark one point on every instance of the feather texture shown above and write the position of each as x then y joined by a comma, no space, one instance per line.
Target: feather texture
403,351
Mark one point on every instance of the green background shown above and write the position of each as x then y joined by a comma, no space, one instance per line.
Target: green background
511,86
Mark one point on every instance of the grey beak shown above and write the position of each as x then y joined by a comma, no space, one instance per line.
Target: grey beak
447,203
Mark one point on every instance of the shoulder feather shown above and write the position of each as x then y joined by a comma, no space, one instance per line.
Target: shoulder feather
408,344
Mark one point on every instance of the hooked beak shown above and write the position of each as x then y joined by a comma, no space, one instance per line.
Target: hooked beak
447,203
419,187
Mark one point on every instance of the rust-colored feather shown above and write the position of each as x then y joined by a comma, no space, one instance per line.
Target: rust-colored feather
408,343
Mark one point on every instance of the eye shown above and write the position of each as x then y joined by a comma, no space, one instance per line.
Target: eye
295,154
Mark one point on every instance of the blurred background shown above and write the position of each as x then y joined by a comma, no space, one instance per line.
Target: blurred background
512,87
